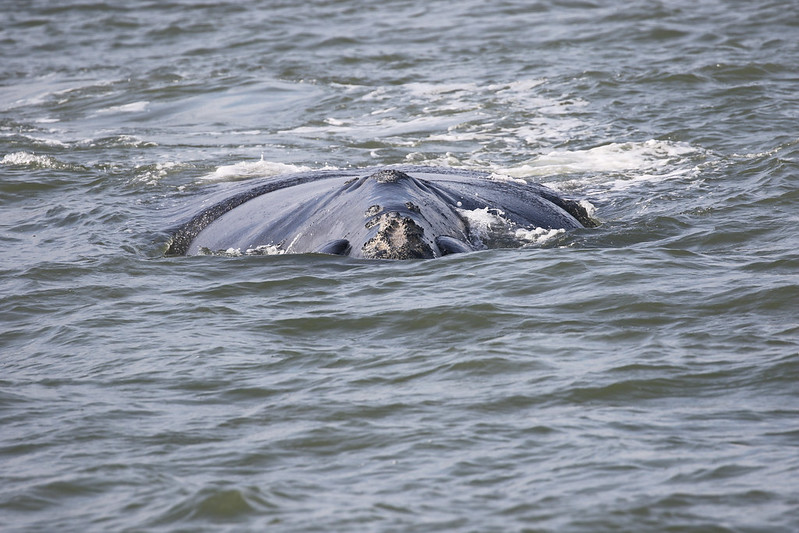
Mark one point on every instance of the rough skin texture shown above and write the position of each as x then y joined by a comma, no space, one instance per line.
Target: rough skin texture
398,238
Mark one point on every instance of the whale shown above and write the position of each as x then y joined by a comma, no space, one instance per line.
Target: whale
396,212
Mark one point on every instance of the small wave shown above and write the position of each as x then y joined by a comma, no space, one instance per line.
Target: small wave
133,107
463,116
615,166
152,174
34,140
114,141
217,503
251,169
27,159
614,157
117,141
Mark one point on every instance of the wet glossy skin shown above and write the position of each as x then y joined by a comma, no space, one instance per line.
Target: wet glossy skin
389,213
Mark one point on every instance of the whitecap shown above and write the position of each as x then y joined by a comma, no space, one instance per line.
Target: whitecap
133,107
29,159
648,160
590,209
152,174
250,169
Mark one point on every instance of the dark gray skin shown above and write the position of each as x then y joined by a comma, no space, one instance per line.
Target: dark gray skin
377,213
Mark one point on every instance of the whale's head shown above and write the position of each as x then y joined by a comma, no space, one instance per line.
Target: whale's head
373,214
405,219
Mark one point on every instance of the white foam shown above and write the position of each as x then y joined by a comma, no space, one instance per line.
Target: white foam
265,249
151,175
383,111
36,140
538,235
489,226
50,142
29,159
133,107
459,137
648,160
249,169
468,114
589,208
503,120
427,90
268,249
447,159
520,86
484,222
377,95
504,177
400,132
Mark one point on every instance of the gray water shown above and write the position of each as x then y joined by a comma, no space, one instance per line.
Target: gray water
640,376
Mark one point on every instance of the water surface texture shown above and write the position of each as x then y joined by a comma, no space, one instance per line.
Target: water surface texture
640,376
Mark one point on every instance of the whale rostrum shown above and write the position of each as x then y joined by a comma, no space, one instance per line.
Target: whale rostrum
384,213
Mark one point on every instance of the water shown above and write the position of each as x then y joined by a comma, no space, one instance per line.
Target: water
640,376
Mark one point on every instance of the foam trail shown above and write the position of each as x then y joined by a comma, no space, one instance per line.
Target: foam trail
614,157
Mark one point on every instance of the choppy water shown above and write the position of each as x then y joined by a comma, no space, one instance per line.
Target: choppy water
641,376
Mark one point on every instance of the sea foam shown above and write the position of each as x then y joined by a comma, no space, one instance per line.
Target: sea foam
251,169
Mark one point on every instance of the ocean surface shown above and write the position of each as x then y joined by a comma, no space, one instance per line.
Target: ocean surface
639,376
